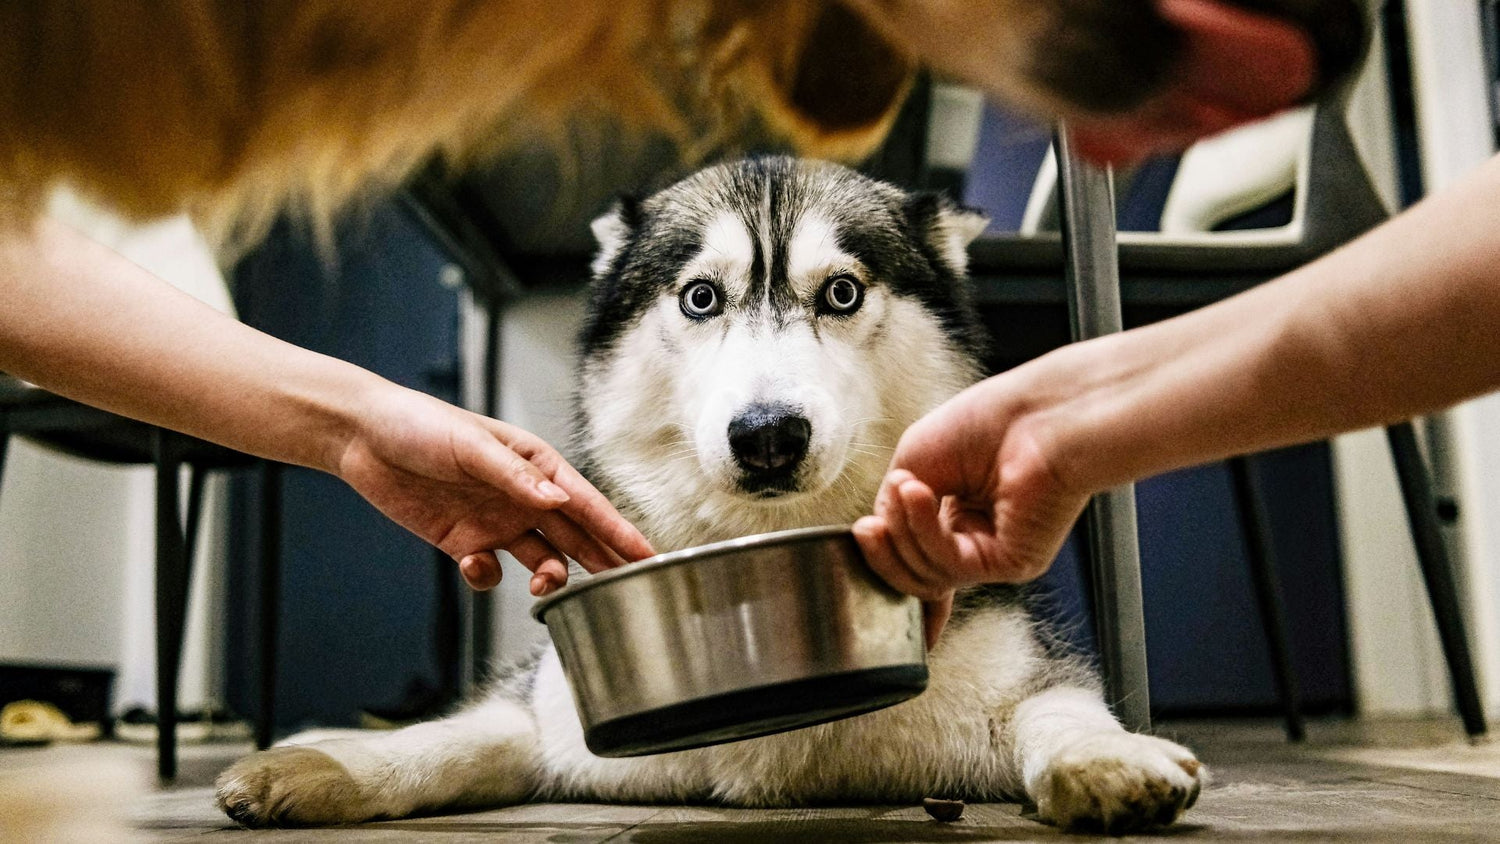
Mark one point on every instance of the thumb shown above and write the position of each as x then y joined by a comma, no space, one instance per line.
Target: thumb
939,453
935,615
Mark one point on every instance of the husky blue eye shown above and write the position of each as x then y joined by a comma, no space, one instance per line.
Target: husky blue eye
841,294
701,299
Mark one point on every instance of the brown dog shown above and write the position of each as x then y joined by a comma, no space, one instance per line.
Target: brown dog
236,110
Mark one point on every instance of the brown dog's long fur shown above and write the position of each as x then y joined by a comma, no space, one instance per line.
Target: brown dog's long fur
238,109
235,110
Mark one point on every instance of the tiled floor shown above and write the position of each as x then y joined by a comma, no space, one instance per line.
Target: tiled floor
1402,782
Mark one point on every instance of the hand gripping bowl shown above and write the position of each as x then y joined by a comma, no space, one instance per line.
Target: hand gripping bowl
734,640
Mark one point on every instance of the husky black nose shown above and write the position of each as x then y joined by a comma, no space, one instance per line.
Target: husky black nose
769,439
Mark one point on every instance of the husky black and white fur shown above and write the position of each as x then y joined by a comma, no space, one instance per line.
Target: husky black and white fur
759,336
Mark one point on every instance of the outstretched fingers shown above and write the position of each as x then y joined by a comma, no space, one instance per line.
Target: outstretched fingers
585,505
496,464
591,511
548,567
578,543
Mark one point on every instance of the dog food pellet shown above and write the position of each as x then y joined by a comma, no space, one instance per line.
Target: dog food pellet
946,811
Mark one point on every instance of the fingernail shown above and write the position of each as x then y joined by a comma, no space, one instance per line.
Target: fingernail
470,568
551,491
540,586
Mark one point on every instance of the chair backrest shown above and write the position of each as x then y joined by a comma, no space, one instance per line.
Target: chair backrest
1307,153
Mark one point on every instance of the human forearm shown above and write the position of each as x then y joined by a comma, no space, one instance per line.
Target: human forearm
82,321
1401,322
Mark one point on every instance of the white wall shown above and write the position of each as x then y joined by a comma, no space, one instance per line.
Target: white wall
1398,663
1453,122
77,539
537,383
1394,652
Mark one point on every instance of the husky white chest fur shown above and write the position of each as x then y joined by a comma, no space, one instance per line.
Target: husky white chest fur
758,337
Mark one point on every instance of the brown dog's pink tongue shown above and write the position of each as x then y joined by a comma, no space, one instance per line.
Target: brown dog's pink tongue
1236,66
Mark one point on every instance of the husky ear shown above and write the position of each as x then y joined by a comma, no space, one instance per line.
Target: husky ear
612,230
947,227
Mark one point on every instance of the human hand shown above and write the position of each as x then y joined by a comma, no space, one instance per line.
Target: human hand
469,484
971,497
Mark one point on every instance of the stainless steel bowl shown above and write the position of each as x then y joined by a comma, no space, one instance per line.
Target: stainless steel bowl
734,640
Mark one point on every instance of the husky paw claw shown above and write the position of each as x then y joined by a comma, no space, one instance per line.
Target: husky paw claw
1118,783
290,786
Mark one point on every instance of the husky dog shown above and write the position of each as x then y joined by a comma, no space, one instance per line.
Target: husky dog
759,336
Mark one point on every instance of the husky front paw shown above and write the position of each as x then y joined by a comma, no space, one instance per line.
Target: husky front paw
1117,782
291,786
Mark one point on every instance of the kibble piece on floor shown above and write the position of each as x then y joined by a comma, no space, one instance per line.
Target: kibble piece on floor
946,811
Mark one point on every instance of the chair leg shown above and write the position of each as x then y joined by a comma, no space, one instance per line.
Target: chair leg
1091,260
1437,571
270,599
196,478
1261,555
172,573
4,448
448,629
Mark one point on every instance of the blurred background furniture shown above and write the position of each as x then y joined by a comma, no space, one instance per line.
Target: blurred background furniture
89,433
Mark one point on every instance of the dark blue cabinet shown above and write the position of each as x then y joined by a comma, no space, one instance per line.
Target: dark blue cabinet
359,594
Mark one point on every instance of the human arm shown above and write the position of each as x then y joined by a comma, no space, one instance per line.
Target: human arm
84,322
1400,322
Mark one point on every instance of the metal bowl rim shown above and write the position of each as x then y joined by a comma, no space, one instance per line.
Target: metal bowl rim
686,555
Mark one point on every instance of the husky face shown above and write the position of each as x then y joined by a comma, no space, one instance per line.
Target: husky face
760,335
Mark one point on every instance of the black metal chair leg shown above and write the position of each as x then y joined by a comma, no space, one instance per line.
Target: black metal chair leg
196,478
270,599
172,573
4,448
1437,571
448,629
1091,265
1261,555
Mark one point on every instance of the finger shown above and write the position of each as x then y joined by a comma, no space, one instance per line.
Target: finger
533,551
933,539
935,615
874,541
573,540
481,571
937,446
591,511
497,465
888,485
898,525
549,577
586,505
